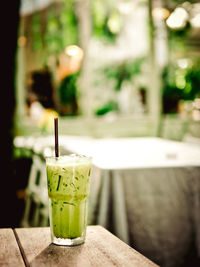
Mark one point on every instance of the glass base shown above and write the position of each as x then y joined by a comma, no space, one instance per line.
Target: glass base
67,241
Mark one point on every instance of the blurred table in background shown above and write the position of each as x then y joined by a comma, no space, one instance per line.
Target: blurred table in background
144,190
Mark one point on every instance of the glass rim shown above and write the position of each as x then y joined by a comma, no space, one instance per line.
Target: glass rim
70,158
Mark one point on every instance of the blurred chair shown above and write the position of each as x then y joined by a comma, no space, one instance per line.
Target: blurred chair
36,201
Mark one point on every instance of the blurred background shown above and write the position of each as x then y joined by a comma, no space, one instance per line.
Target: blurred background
133,62
108,69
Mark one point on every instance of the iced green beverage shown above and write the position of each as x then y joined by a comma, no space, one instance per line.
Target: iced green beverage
68,179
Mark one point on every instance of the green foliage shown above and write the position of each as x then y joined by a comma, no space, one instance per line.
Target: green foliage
109,106
68,95
98,16
180,84
36,32
177,36
106,20
124,71
52,36
68,21
60,30
68,88
192,78
61,26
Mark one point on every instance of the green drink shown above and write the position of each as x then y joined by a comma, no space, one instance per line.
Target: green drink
68,180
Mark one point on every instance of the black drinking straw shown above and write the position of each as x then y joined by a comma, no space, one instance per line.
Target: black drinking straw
56,137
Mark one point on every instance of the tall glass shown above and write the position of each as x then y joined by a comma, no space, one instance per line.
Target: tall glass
68,179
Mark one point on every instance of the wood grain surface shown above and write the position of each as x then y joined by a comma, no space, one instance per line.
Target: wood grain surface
100,249
10,254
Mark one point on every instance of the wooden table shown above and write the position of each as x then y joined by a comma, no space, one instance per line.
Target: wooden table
32,247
